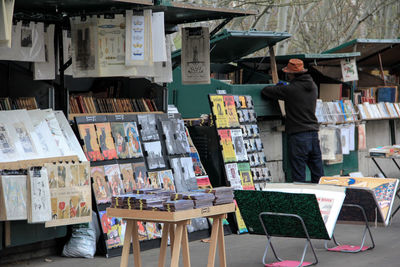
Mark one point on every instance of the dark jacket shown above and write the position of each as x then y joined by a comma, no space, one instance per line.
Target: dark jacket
300,98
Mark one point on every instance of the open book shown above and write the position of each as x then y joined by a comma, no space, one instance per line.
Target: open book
384,190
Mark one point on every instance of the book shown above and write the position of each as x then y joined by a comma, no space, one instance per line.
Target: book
132,140
106,142
238,144
230,106
219,111
91,147
113,174
154,157
148,127
101,187
245,176
384,189
228,153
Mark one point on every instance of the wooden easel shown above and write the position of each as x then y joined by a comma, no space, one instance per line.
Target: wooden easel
174,228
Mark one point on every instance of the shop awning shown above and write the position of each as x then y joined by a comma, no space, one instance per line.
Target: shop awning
179,13
369,49
229,46
316,59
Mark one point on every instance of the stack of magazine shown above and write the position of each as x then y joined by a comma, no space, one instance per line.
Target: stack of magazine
340,111
381,110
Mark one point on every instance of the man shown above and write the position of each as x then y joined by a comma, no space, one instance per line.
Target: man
302,127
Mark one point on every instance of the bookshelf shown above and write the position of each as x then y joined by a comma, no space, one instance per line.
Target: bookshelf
72,116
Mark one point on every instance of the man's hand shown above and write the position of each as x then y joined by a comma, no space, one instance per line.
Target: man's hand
281,83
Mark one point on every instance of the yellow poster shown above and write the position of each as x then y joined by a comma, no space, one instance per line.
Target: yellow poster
384,188
239,220
228,152
219,111
230,106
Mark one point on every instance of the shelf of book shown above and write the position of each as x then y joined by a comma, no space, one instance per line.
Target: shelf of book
339,122
73,115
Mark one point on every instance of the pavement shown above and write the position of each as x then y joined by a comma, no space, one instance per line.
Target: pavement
247,250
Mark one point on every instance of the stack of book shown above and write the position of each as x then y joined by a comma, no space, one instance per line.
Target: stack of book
200,200
90,104
340,111
28,103
175,205
365,95
223,195
381,110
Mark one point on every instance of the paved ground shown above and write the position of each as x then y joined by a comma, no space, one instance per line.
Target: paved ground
247,250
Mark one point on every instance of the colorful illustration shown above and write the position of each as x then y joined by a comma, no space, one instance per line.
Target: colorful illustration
121,144
238,144
113,175
167,179
219,111
128,178
384,189
101,188
132,136
87,133
63,205
233,176
140,172
113,228
203,182
242,100
153,179
106,141
228,152
233,119
245,176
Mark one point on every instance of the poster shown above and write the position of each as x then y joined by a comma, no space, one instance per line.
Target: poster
349,70
245,176
13,197
113,174
195,55
166,178
105,140
233,176
133,142
362,137
113,229
233,119
91,147
219,111
121,144
71,203
327,137
46,70
384,189
140,172
154,158
148,126
128,178
39,196
228,153
238,145
101,188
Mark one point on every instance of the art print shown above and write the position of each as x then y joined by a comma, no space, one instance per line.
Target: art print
238,144
121,142
113,175
91,147
148,126
106,141
228,152
140,172
40,205
133,142
169,129
14,196
153,179
167,180
24,138
113,228
232,174
74,175
128,178
231,111
7,147
219,111
180,182
154,157
101,187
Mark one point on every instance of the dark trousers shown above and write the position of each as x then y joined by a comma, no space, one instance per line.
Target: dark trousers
304,150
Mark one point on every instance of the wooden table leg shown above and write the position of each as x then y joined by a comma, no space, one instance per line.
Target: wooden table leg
171,236
177,244
164,244
136,245
213,242
127,242
221,243
185,246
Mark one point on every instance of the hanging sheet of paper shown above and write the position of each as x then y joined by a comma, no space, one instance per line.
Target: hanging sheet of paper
195,56
163,70
349,70
27,43
352,137
84,47
345,139
158,33
362,137
46,70
67,52
327,137
6,16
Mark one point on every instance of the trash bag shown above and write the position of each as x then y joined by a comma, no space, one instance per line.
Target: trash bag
82,243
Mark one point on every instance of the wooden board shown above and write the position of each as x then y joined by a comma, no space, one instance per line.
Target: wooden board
164,216
73,115
26,164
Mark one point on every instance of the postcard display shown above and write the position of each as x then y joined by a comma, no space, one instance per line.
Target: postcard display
131,152
52,193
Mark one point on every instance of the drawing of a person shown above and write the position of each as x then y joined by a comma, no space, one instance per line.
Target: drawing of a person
87,140
102,139
219,109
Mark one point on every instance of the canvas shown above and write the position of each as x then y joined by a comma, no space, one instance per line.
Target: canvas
133,141
106,142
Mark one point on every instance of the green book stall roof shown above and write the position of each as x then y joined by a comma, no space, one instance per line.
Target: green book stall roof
229,46
192,100
389,49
